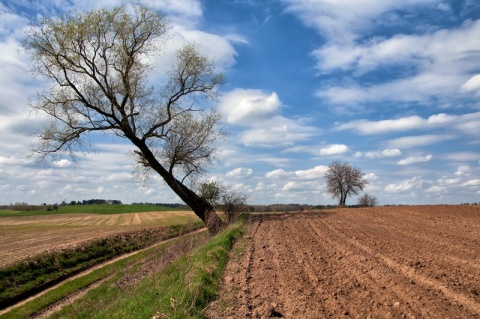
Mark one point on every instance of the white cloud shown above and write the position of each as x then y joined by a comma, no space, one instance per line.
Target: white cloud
280,131
473,84
415,159
215,47
259,112
371,177
436,189
405,185
389,152
334,149
464,170
462,156
418,140
472,182
278,173
313,173
466,123
62,163
240,172
247,106
100,189
384,126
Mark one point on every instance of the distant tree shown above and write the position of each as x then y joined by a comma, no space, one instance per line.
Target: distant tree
367,200
99,62
343,180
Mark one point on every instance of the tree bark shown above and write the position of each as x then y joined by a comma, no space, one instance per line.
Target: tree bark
201,207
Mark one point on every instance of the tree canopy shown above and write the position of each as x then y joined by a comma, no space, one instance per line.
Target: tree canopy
99,63
343,180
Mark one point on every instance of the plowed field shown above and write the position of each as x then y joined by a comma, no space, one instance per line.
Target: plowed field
382,262
24,236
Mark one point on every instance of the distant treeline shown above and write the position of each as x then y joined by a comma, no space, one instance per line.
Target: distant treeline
25,207
170,205
94,202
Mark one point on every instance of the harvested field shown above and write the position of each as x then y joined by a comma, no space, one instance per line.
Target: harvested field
24,236
382,262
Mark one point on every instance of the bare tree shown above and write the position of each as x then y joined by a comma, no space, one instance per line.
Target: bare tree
99,62
343,180
367,200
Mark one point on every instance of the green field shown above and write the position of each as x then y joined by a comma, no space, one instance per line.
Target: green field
98,209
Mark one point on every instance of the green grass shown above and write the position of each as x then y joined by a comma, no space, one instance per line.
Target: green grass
99,209
185,288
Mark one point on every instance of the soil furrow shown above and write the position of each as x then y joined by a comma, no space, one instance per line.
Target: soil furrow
384,262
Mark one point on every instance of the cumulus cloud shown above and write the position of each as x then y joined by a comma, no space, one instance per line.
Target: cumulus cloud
334,149
464,170
244,106
62,163
278,131
278,173
472,182
405,185
415,159
260,113
464,122
389,152
313,173
240,172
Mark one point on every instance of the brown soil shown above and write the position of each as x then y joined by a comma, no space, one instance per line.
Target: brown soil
383,262
26,236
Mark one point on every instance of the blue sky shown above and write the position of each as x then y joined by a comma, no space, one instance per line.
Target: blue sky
390,86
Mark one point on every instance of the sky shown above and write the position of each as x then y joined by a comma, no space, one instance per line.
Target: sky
390,86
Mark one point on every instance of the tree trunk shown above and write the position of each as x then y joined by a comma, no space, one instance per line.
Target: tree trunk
201,207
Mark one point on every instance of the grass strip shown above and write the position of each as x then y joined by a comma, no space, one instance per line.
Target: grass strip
19,281
185,288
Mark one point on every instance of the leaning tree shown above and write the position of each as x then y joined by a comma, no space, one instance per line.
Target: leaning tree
100,63
343,179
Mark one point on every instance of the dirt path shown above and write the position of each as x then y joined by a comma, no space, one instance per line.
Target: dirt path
395,262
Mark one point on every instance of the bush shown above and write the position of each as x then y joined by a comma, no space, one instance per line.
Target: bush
367,200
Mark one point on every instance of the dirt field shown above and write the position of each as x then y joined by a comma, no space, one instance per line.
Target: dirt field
395,262
25,236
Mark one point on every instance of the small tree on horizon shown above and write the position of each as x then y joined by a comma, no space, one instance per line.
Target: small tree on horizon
343,180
